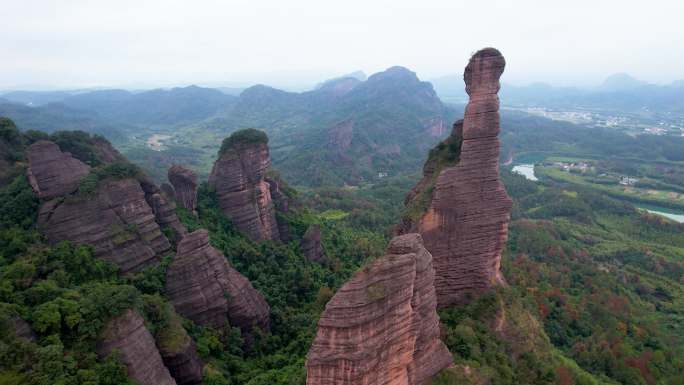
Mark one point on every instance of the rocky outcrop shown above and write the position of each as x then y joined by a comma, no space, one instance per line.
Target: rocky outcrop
136,349
179,352
381,327
168,191
21,328
185,184
202,286
51,172
243,194
281,201
311,245
465,223
115,219
164,210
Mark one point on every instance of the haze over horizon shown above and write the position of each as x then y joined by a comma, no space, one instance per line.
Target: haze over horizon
79,44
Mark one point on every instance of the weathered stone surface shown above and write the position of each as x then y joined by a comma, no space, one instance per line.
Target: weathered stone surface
164,209
51,172
105,151
311,245
185,184
168,191
203,287
466,223
179,353
381,327
281,202
136,348
116,220
243,194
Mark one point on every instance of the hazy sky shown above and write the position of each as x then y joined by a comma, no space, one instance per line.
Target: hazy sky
139,43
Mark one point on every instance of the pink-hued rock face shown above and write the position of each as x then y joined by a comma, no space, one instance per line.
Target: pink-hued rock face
185,184
51,172
381,327
116,220
243,194
136,348
203,287
466,223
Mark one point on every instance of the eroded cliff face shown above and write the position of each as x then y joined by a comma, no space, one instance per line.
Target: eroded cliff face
164,210
202,286
465,223
136,349
121,218
116,220
51,172
185,185
243,193
382,327
179,352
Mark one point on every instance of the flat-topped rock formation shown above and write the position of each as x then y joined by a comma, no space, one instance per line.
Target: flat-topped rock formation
202,286
184,182
382,327
243,193
51,172
465,224
116,220
136,349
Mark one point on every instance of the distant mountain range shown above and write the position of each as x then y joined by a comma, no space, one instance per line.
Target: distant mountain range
345,131
617,92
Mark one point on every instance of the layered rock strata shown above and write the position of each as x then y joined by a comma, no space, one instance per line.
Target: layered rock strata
51,172
179,353
136,349
465,225
116,220
382,327
311,245
164,210
202,286
185,185
243,193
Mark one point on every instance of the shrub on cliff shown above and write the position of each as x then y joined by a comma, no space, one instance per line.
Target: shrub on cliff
116,170
243,137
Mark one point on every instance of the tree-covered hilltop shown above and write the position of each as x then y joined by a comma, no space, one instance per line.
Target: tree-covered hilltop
243,137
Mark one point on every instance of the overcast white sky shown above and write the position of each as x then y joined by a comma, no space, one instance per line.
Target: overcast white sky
138,43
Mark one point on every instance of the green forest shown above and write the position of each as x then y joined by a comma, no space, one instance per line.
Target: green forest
595,290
